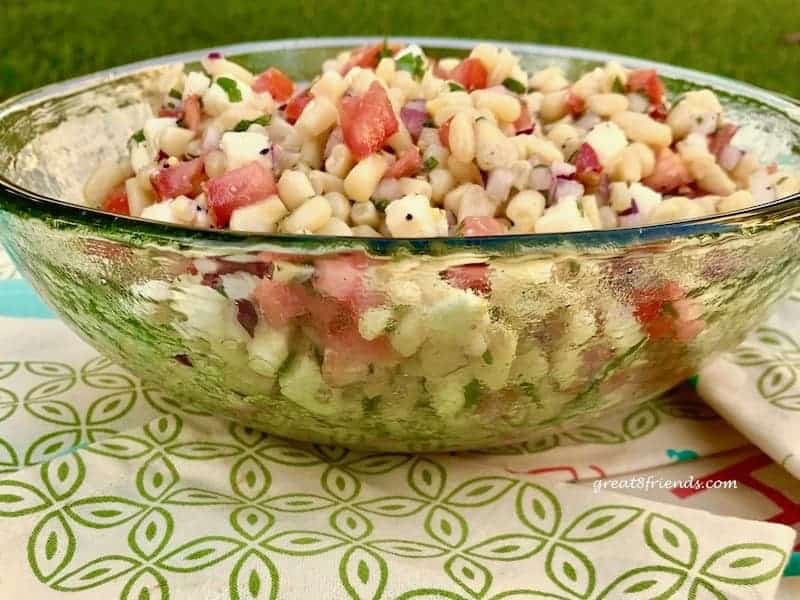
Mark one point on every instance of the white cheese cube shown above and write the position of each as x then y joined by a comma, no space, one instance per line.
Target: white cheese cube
196,84
411,216
646,199
217,99
160,211
607,140
142,155
563,216
153,127
241,148
268,349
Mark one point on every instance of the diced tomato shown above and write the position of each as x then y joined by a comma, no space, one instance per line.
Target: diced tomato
647,81
652,308
183,179
721,138
480,226
587,166
117,202
469,277
296,106
276,82
575,104
470,74
669,172
336,327
524,122
341,277
444,133
367,121
168,111
407,164
280,302
192,112
238,188
368,57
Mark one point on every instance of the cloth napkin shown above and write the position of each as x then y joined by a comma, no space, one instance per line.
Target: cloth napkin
757,387
108,489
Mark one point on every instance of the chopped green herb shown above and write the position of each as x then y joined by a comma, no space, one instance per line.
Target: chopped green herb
173,93
781,180
244,124
429,123
413,64
381,203
795,148
472,393
430,163
454,87
487,357
617,86
230,88
513,85
138,136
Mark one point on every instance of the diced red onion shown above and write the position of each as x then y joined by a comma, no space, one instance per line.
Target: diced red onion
498,185
631,217
567,188
541,178
638,103
603,191
414,116
214,55
336,137
729,157
211,138
388,189
636,220
587,121
633,209
527,131
562,169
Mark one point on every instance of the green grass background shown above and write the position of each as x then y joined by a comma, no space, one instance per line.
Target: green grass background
43,41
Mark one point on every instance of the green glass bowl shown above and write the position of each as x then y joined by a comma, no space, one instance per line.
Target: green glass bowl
560,329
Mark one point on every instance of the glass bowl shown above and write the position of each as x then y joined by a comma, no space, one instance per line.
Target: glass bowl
432,344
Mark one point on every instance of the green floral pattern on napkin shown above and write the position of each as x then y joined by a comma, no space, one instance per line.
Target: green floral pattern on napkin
215,502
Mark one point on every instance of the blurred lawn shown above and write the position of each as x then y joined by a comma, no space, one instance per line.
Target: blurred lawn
43,41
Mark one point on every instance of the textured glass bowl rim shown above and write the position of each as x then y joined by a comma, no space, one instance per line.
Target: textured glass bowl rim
95,218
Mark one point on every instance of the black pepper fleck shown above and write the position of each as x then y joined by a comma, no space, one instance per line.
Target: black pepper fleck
409,216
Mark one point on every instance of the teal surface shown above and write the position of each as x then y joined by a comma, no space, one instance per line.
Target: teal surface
18,299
